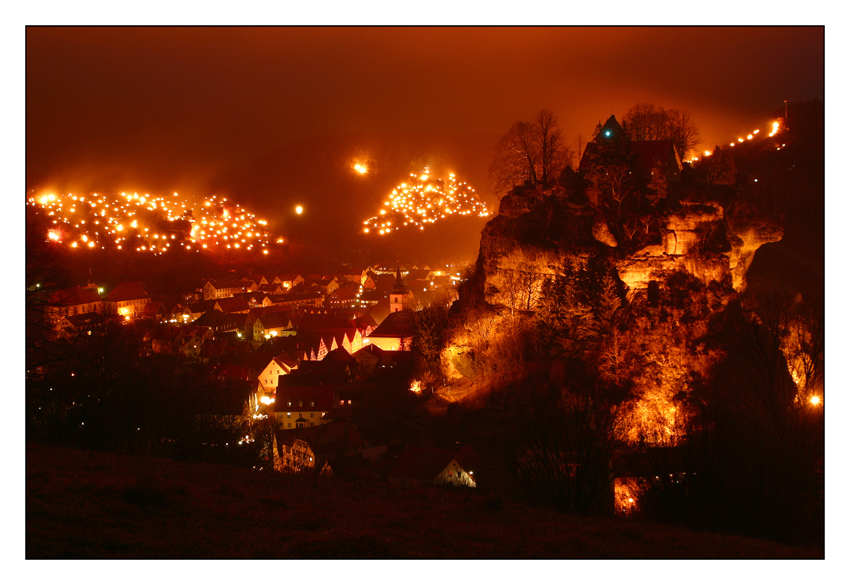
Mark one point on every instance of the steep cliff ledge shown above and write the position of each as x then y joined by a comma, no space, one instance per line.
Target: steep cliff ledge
535,235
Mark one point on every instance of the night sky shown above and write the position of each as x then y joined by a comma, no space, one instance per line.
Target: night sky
272,116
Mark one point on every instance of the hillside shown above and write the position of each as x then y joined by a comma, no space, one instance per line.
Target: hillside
85,505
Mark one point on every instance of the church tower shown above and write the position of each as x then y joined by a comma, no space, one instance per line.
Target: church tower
399,297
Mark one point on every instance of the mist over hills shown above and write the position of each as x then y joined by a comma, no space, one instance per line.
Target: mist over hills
318,174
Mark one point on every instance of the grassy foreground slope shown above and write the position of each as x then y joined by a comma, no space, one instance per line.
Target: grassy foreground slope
95,505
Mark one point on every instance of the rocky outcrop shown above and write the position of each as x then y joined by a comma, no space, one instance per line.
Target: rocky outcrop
603,234
747,233
685,228
524,244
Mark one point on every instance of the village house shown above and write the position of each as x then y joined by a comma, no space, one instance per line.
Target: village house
300,301
369,280
220,322
321,284
71,326
128,299
302,406
372,358
318,447
232,305
185,340
395,333
272,324
269,378
420,466
73,301
289,281
221,289
343,297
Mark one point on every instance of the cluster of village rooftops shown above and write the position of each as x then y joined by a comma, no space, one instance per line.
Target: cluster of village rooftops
306,351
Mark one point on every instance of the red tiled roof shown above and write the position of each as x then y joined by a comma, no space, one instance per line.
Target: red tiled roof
128,291
321,395
75,296
397,324
651,152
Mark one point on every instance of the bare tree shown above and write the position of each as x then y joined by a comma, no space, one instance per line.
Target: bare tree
530,152
646,122
554,156
514,162
562,446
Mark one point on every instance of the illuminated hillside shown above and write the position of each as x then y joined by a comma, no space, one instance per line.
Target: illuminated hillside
150,224
423,200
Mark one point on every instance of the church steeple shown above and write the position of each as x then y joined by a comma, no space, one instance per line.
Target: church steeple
399,286
400,296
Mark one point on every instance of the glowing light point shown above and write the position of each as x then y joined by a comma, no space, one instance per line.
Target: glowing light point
815,400
299,210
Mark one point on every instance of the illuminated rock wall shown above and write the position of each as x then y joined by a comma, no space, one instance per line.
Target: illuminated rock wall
699,264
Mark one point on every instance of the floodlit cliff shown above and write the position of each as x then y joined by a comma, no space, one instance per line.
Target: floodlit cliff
675,264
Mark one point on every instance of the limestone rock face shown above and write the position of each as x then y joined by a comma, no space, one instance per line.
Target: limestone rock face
684,227
513,206
693,260
747,239
700,238
603,234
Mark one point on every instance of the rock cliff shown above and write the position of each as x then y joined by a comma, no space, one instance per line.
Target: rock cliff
679,267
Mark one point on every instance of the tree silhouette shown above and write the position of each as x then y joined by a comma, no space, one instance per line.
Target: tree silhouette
646,122
530,152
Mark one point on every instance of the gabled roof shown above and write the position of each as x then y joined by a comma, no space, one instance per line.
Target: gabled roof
651,152
373,296
398,324
325,372
232,305
269,288
217,319
301,296
83,319
418,274
340,354
324,439
75,296
220,283
274,320
385,282
422,463
321,395
286,361
128,291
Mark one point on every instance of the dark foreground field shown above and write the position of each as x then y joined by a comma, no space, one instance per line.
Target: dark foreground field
94,505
